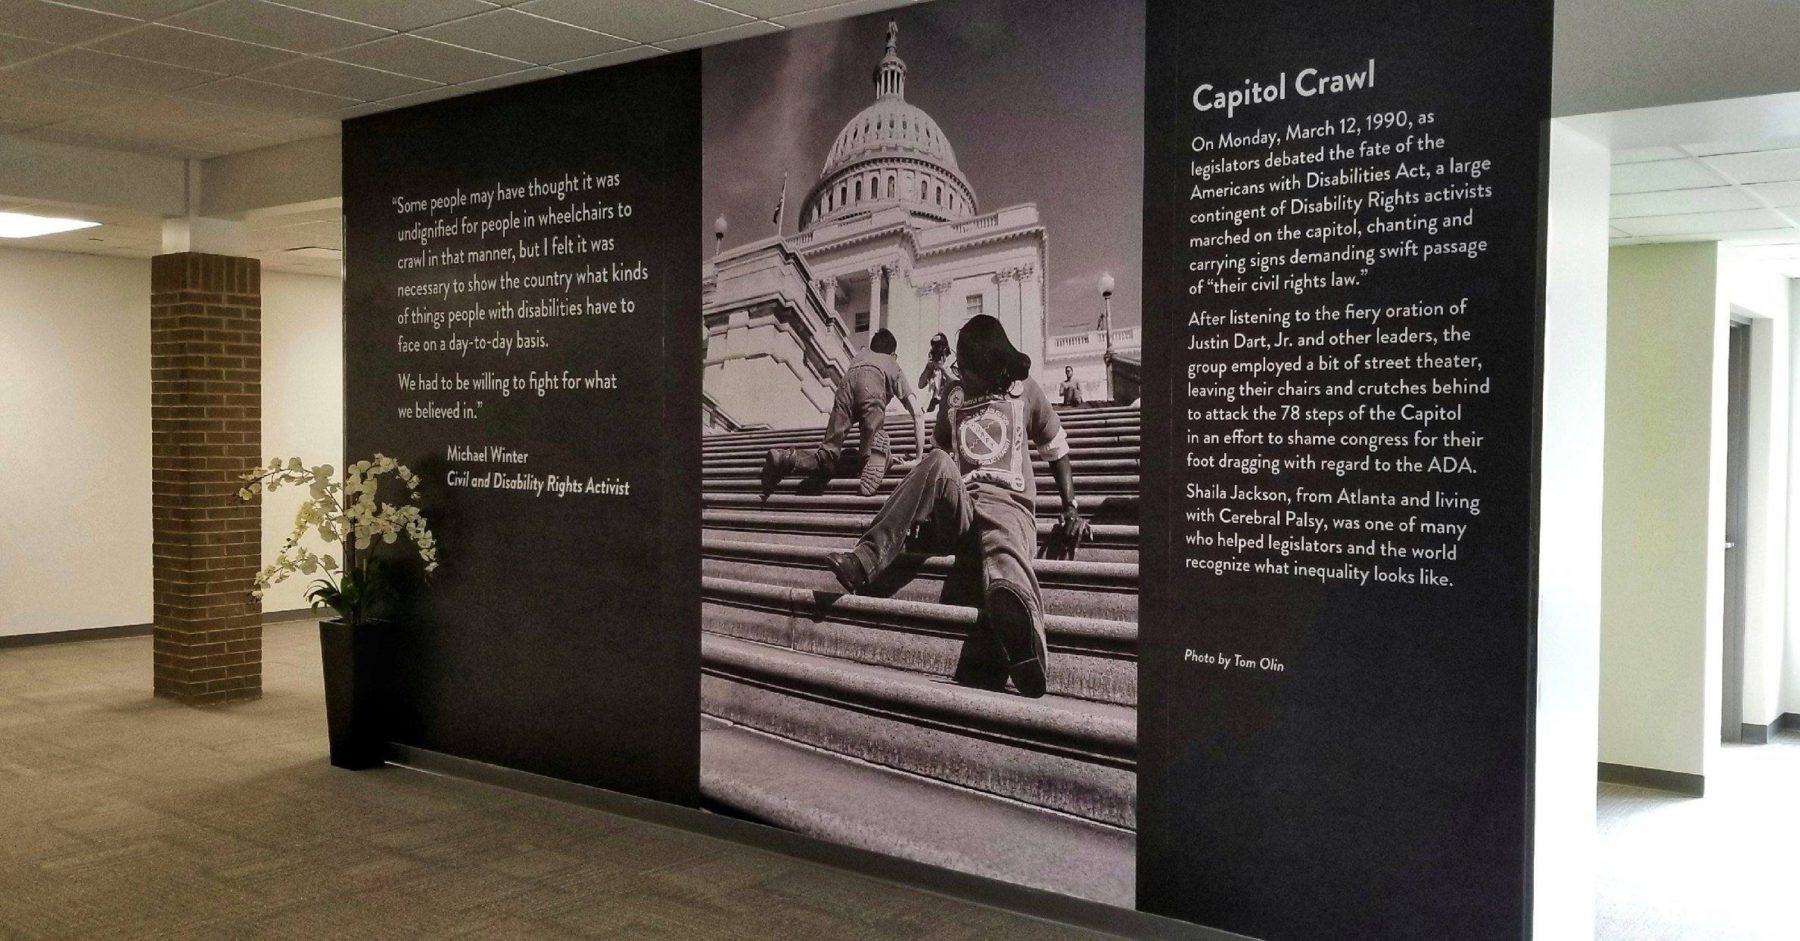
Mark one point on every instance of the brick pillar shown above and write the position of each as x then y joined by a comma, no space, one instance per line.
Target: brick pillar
206,429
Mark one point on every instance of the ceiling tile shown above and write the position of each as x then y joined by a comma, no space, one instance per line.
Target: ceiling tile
194,50
611,58
753,28
99,68
1702,222
1765,166
51,22
1781,195
775,8
110,141
419,98
838,11
642,20
297,129
526,37
358,110
199,114
1675,202
262,96
1735,237
1661,175
1773,142
142,9
402,16
231,142
131,128
1644,154
18,111
342,79
513,78
58,93
13,49
427,59
272,24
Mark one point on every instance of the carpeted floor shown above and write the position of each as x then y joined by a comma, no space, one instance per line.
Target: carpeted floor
126,817
1705,869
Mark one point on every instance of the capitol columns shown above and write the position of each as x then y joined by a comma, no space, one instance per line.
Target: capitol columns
828,287
876,322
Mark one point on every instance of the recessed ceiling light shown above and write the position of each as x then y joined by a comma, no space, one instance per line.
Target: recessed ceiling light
18,225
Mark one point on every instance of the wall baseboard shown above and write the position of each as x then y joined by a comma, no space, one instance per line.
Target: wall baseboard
1656,779
1787,722
1033,903
129,630
1758,734
75,636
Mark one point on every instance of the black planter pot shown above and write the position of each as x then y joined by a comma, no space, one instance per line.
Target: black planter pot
356,678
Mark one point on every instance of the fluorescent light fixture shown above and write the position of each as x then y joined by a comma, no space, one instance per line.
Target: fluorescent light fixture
18,225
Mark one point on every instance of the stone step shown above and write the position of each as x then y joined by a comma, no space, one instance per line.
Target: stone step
839,541
1077,418
854,803
852,526
1080,458
1085,484
901,438
1090,658
1116,508
1070,755
1080,588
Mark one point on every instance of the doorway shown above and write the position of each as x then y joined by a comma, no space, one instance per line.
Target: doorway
1737,508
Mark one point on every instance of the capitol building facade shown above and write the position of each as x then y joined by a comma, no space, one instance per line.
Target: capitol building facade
892,235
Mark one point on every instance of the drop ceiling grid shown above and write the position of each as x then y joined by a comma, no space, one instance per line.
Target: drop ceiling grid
1710,192
199,78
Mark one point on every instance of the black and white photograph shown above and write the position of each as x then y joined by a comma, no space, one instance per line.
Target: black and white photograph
921,436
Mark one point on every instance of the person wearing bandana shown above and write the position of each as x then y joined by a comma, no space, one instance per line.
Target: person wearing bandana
977,488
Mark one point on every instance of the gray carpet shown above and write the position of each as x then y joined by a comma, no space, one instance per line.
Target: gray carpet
126,817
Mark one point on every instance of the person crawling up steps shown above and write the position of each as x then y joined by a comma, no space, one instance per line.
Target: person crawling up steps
872,380
977,489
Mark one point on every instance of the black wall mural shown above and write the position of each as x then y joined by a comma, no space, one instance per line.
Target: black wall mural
1285,685
1344,208
519,328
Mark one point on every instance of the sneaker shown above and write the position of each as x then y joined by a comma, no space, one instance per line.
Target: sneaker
1023,637
777,464
874,471
849,571
875,463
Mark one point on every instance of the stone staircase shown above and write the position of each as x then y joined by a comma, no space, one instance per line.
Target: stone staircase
841,717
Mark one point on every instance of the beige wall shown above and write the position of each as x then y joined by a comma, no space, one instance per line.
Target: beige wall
1658,588
303,401
1663,559
74,442
75,430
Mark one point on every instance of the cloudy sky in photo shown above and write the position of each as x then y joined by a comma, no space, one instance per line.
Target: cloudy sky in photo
1043,101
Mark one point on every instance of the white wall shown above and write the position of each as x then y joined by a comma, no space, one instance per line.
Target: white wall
1569,537
1790,693
1754,290
75,430
1664,397
74,441
303,401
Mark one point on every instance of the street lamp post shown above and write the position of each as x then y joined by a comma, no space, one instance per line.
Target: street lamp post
719,228
1106,292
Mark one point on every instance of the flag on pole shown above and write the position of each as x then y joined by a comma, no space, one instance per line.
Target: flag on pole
780,205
